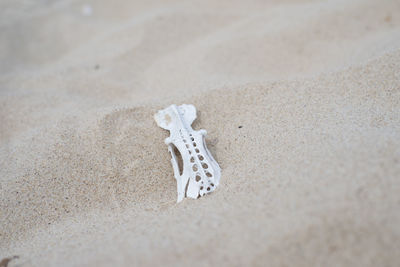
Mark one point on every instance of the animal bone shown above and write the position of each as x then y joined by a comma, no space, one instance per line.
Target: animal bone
200,173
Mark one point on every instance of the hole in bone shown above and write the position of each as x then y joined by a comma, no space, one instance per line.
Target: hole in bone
178,159
197,150
212,184
198,178
167,118
201,188
208,174
190,152
205,166
191,159
208,188
186,187
194,144
195,167
201,157
187,146
192,139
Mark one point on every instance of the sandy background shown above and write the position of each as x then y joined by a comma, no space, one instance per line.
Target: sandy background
312,178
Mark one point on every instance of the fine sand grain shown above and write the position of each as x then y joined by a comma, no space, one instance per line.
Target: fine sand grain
300,99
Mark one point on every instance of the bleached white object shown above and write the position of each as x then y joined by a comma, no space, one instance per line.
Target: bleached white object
197,173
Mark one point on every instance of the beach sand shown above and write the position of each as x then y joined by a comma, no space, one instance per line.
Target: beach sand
300,99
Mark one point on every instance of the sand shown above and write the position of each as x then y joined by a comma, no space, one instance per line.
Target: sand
311,178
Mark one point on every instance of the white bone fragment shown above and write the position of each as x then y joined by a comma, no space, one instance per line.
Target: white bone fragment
199,173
